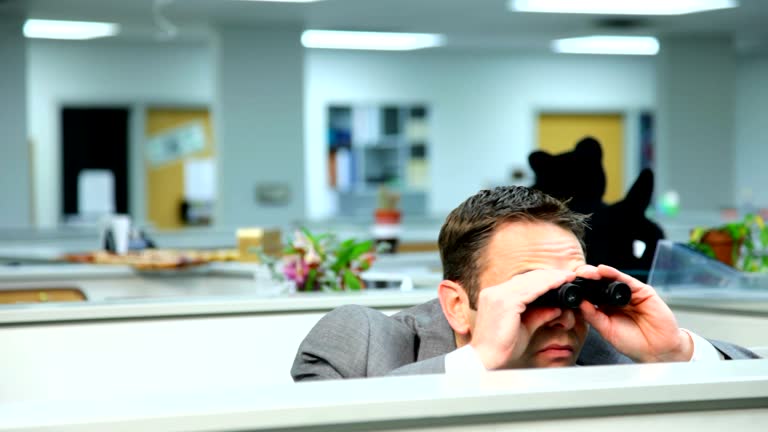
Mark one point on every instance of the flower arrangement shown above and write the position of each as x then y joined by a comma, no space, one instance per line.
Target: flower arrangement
322,263
742,244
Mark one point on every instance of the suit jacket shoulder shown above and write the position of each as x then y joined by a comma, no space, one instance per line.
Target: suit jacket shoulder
355,341
733,352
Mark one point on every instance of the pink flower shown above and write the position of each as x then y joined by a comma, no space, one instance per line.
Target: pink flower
295,269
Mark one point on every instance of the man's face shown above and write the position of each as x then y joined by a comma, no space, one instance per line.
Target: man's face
519,247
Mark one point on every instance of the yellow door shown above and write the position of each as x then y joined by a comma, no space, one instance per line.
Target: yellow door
165,179
559,133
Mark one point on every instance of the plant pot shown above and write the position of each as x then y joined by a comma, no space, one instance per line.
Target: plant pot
386,228
387,216
722,245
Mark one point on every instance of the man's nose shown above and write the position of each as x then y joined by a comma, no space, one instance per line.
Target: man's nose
566,319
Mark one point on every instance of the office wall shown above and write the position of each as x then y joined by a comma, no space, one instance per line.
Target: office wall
483,107
97,73
14,150
751,131
696,99
258,121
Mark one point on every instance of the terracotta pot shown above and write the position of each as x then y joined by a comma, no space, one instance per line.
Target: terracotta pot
722,245
387,216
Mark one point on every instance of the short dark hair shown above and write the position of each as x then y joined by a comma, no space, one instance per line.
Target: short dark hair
467,230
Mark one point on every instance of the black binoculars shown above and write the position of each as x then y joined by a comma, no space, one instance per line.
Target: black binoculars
598,292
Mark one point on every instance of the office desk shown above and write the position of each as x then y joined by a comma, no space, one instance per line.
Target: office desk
707,396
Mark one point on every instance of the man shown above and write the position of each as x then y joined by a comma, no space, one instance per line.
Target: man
501,249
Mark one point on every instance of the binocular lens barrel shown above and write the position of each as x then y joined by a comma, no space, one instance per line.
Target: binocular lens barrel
598,292
605,293
567,296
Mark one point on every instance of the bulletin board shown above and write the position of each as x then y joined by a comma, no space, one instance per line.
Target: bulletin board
173,136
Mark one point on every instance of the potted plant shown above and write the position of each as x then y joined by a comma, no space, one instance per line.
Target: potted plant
319,262
742,244
386,220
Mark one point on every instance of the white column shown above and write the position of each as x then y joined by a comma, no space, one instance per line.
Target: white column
258,115
696,85
15,197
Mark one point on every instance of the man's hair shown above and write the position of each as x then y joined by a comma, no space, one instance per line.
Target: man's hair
467,230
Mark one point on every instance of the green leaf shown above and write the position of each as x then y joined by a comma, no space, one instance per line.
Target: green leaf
351,281
360,249
704,248
764,238
696,234
347,244
736,230
312,238
311,278
343,255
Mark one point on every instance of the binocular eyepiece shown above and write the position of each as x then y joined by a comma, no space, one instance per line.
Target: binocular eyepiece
598,292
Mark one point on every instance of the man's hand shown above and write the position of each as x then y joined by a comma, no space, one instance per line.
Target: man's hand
500,337
645,330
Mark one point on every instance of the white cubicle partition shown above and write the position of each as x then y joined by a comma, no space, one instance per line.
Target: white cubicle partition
82,350
711,396
61,351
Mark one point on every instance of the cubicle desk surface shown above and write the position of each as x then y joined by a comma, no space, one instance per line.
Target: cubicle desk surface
734,315
704,396
733,301
119,292
211,305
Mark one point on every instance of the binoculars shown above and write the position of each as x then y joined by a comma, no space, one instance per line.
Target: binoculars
598,292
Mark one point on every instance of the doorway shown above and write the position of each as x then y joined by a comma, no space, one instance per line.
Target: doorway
94,139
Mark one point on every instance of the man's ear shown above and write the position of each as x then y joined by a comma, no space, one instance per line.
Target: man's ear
455,304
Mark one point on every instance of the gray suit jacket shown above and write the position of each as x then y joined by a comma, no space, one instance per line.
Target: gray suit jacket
356,342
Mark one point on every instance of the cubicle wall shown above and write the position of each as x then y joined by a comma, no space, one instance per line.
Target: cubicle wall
140,348
78,351
743,329
703,396
85,359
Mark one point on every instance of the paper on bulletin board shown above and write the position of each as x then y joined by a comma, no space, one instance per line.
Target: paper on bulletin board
200,180
176,143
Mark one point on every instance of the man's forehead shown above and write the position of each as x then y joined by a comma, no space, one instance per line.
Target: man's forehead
522,246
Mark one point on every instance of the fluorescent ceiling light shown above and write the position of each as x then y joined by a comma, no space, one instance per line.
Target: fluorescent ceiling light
626,45
50,29
621,7
369,40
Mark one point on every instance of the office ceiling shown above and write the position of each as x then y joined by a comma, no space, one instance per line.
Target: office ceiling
467,24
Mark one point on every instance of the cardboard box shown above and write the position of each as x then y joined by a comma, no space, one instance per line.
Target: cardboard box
248,239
